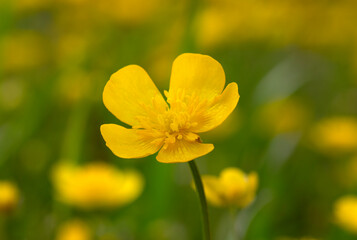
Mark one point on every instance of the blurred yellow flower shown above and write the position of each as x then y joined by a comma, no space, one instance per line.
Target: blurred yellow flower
345,213
71,48
96,185
131,12
276,22
73,230
197,104
23,51
9,196
335,135
232,188
21,6
74,3
283,116
212,28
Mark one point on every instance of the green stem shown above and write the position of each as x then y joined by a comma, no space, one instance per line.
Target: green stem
232,219
202,197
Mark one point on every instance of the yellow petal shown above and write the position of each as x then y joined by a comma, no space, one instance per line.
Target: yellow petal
129,188
131,93
183,151
234,183
215,115
9,196
253,181
129,143
252,185
213,190
345,212
74,229
199,74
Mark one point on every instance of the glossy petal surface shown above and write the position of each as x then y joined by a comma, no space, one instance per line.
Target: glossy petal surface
130,143
130,94
183,151
199,74
222,107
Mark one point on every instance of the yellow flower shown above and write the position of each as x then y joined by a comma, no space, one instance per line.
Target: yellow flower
232,188
196,104
335,135
131,12
96,185
345,212
211,27
73,230
9,196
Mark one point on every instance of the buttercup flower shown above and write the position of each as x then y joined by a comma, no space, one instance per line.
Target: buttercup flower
345,212
232,188
9,196
96,185
195,104
74,230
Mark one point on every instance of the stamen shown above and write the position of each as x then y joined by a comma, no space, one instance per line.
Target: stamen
191,137
194,124
173,123
174,126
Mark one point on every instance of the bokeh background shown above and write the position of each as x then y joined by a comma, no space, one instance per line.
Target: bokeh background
295,62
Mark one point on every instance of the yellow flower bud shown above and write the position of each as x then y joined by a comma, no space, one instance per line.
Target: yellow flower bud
232,188
73,230
345,213
9,196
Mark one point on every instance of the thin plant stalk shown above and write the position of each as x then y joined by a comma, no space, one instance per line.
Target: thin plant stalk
201,195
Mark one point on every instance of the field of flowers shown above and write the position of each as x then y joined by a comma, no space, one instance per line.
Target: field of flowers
178,120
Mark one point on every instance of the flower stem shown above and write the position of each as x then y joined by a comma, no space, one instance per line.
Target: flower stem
202,197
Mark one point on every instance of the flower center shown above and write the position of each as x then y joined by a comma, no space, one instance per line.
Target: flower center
176,122
176,126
